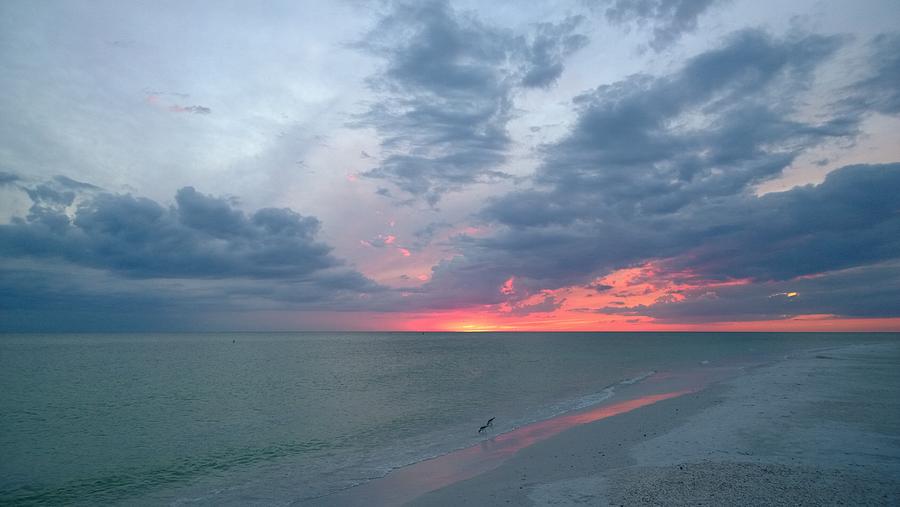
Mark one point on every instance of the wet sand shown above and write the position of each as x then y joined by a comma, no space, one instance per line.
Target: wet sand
822,428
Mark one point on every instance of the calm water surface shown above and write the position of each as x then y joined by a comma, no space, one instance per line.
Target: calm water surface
214,418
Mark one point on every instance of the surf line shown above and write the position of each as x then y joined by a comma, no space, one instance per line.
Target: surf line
410,482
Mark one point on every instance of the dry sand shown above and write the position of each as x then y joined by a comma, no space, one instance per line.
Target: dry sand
817,429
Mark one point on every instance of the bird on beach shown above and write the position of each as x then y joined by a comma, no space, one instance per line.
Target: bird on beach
489,424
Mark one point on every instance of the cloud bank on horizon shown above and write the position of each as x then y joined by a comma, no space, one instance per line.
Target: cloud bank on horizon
611,164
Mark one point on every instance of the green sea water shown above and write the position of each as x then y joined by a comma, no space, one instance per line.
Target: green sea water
279,418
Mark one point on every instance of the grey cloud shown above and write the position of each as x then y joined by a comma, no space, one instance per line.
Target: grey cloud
208,214
60,191
878,90
445,93
190,109
651,145
546,52
117,260
545,259
47,194
663,168
180,95
851,219
8,178
87,299
723,122
200,237
668,19
867,291
80,299
546,305
425,235
67,182
381,241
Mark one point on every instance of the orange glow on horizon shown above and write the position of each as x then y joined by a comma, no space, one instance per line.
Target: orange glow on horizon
612,303
479,320
485,319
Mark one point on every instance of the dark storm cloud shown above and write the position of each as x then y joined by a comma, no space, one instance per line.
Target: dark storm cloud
83,299
664,168
91,299
668,19
445,93
200,237
116,259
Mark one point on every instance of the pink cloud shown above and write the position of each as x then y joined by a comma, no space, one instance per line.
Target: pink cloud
507,288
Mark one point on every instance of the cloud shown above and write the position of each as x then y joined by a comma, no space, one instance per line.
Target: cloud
726,120
664,169
425,235
67,182
53,196
445,93
650,145
380,241
850,219
200,237
865,291
669,19
200,249
878,90
98,260
190,109
548,304
548,48
8,178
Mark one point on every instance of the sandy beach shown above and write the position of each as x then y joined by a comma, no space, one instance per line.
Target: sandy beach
817,428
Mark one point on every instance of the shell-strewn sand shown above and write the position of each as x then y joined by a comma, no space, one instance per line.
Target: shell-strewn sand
818,429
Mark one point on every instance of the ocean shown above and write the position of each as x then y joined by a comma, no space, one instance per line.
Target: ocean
271,418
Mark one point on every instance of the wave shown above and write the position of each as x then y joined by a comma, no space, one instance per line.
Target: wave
378,466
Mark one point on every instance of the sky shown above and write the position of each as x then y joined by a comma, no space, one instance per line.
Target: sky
602,165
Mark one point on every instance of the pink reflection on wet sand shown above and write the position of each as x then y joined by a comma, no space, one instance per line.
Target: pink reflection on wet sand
410,482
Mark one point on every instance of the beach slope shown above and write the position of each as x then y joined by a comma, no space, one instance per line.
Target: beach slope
820,428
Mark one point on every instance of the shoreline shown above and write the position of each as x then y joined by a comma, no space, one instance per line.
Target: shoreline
820,427
675,450
408,482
